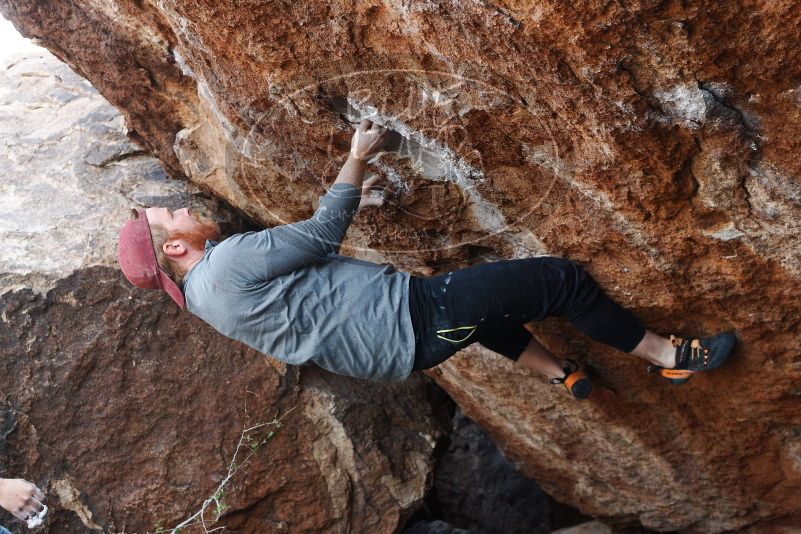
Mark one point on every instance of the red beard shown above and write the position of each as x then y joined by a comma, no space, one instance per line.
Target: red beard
196,238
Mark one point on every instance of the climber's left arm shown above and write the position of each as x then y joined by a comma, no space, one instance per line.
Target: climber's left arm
255,257
323,233
367,141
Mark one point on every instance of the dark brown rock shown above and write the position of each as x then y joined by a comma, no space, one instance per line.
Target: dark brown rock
477,489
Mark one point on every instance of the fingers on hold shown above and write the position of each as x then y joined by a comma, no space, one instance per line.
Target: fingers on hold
380,130
364,125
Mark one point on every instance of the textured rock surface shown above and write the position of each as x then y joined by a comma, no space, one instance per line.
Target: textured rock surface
654,141
478,490
127,411
482,492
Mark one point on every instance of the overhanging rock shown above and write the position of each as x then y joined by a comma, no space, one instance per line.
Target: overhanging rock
655,142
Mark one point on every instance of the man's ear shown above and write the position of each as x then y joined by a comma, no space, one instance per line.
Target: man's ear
174,248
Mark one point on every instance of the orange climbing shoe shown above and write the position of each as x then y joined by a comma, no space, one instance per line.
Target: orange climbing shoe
696,354
575,380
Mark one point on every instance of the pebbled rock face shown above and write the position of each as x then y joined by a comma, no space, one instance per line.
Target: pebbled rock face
126,411
656,142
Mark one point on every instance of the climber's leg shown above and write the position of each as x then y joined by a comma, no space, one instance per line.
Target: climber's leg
452,310
581,301
519,345
656,349
676,358
537,357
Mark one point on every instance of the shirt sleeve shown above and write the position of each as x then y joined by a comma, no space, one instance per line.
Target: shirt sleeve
255,257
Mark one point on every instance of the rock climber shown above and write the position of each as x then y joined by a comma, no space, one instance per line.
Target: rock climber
22,499
286,292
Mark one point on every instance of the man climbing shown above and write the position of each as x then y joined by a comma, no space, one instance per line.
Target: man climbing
286,292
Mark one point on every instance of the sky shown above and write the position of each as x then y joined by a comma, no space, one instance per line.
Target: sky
11,42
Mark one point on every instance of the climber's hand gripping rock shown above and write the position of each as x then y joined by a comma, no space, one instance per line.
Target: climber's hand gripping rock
367,140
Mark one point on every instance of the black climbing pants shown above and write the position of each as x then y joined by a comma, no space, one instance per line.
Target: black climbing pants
491,302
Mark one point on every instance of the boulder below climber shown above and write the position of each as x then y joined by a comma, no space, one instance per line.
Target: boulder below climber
129,412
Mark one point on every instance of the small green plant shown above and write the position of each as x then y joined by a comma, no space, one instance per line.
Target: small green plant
251,439
220,507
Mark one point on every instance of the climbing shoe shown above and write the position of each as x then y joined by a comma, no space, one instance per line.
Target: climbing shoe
575,380
696,354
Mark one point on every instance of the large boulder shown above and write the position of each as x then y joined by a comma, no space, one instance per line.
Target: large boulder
656,142
129,412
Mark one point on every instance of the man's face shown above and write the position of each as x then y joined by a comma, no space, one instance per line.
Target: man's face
178,221
184,227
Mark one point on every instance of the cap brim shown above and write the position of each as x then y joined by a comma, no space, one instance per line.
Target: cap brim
172,289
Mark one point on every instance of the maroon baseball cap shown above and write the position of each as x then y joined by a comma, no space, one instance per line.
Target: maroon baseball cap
137,258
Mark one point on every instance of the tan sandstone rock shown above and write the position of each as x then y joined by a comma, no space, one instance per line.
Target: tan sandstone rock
127,411
655,142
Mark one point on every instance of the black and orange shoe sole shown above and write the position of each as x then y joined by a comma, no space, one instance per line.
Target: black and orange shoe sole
578,384
676,376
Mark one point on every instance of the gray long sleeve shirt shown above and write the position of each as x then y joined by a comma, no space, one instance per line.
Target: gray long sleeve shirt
287,293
